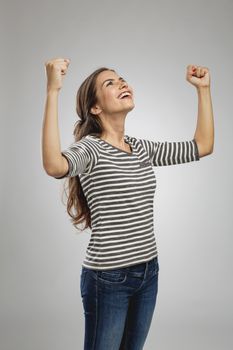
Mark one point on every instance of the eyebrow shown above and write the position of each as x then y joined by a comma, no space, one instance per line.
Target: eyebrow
112,80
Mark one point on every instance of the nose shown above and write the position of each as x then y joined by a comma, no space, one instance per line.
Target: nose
123,84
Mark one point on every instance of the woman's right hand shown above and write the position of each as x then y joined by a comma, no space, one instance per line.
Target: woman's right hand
56,70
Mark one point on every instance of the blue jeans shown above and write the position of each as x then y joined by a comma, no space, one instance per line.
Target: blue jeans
118,305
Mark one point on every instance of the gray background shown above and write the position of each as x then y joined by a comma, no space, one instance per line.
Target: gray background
149,43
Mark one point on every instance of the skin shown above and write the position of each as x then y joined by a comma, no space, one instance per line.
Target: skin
199,77
53,161
111,109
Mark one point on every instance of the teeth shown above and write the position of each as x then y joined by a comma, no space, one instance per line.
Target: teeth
124,94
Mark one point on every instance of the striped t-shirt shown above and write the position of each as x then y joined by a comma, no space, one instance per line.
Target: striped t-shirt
119,188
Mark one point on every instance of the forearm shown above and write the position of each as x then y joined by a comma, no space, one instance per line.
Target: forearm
204,133
51,149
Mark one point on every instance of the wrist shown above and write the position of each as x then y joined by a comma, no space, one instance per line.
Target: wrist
203,88
51,91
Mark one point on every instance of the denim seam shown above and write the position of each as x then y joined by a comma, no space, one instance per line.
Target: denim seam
83,281
96,308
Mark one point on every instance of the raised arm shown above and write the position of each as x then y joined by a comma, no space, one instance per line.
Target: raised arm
204,135
54,163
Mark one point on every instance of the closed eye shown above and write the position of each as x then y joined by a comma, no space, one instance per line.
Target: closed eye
111,81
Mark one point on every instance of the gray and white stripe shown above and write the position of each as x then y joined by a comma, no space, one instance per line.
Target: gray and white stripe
119,188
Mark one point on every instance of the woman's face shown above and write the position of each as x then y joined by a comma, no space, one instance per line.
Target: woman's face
109,87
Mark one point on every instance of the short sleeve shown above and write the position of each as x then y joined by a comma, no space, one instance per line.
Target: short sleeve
171,153
79,158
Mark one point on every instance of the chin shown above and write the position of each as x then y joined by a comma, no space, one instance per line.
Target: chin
131,107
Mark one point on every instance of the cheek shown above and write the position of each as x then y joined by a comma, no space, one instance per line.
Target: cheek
109,97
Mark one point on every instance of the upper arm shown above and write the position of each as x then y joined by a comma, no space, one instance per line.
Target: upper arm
76,160
79,158
65,168
170,153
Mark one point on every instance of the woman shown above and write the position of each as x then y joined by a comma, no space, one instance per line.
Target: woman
111,189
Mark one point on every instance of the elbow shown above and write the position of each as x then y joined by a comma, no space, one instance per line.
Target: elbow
204,150
53,168
210,149
207,151
49,170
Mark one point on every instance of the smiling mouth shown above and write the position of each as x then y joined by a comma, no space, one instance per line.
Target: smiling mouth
126,97
125,94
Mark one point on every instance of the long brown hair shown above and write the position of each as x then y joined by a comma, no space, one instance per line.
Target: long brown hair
88,123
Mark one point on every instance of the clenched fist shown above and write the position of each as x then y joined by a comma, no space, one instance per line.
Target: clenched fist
56,70
198,76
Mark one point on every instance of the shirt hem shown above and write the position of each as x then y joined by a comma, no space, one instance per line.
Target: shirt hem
118,266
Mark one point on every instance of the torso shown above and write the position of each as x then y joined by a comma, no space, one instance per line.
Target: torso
119,187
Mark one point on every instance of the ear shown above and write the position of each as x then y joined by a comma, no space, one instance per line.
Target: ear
96,110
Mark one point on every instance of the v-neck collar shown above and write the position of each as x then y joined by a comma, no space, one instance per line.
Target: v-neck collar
126,138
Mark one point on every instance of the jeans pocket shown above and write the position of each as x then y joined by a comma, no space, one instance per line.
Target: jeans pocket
155,269
113,277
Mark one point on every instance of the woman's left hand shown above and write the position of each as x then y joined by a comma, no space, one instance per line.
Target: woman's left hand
198,76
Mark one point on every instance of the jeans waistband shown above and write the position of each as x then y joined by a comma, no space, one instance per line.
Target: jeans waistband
142,266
